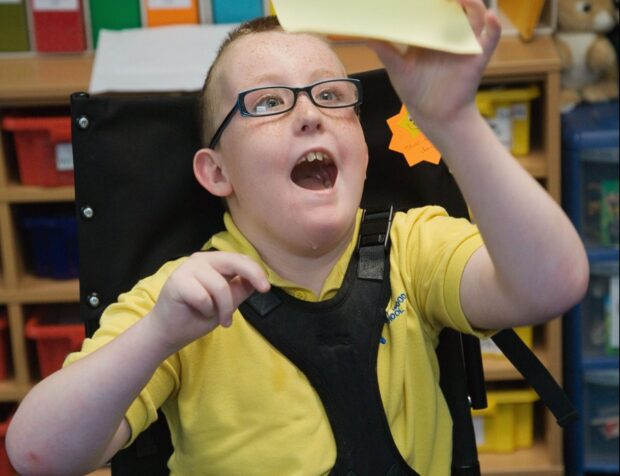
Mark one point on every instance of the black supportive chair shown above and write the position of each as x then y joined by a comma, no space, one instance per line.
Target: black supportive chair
139,205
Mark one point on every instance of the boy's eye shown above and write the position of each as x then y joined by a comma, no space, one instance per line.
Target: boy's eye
267,103
326,96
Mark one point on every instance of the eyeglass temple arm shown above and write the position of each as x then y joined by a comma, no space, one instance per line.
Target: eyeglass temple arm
220,130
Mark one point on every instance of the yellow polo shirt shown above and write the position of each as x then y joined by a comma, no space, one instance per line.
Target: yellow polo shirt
236,406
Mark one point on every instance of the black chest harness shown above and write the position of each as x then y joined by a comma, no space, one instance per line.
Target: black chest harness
335,344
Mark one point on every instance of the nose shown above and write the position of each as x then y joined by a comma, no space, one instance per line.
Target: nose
308,117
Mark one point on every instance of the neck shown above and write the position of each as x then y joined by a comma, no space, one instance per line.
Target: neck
308,270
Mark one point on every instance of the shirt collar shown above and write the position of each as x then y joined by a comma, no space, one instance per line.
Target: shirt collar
232,240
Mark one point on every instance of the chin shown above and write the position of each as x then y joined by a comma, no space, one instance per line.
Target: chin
328,227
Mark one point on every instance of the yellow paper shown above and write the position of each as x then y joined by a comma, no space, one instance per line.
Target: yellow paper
436,24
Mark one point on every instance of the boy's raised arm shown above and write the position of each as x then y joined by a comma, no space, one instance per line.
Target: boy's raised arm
533,265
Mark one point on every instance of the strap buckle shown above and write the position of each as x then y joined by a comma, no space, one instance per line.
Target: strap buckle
375,227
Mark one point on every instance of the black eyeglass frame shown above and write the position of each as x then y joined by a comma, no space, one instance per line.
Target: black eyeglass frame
240,104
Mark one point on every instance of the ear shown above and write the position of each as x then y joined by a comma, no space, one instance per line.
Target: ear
210,174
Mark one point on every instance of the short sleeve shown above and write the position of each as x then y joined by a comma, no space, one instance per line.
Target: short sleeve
116,319
431,250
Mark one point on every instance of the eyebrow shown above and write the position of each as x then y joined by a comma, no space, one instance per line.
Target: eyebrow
317,75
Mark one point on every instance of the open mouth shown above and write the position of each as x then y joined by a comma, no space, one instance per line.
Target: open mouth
315,171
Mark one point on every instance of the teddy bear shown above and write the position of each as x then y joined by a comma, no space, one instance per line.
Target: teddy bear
589,59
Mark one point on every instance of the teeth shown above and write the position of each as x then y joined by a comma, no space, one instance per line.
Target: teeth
312,156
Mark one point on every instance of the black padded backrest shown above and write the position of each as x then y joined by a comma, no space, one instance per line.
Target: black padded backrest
133,169
139,206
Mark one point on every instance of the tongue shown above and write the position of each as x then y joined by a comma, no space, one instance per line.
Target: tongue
312,176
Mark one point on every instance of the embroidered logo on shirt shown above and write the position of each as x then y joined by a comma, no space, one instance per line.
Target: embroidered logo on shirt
397,308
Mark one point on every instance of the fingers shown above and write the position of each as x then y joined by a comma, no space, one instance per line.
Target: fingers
484,23
475,11
491,34
387,53
234,264
219,282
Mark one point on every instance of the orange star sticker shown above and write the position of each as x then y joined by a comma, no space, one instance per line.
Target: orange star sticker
408,139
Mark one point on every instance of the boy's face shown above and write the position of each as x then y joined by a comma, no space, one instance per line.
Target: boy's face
274,192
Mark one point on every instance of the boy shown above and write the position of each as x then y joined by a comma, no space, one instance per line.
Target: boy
292,177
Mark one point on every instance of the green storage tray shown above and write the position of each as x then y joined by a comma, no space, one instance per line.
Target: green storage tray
13,27
114,15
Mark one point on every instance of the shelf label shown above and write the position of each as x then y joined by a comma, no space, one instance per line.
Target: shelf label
64,157
55,5
501,124
169,4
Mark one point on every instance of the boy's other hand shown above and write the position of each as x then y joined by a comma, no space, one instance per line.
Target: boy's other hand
203,293
435,85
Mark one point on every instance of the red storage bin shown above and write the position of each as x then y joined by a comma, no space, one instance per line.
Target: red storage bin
56,336
58,25
43,148
5,465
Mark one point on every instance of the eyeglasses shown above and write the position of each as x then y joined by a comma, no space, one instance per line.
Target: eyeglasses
272,100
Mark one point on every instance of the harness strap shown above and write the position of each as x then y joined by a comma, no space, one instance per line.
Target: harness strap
335,344
535,373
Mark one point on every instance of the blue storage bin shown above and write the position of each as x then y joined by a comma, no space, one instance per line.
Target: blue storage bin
599,312
601,420
590,171
53,245
227,11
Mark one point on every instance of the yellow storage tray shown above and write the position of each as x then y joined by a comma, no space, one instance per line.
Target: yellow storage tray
508,112
507,424
490,350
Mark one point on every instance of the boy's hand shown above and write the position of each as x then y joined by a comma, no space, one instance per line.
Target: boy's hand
203,292
435,85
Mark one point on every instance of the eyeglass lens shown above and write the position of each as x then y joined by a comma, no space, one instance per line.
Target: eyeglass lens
273,100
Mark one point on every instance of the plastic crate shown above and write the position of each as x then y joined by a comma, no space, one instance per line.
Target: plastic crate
56,335
52,245
227,11
489,349
508,111
170,12
13,27
599,311
5,417
113,15
601,420
43,148
590,147
58,25
507,424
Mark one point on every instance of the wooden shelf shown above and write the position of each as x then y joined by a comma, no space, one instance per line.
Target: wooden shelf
512,57
43,80
34,290
15,193
534,461
10,390
535,163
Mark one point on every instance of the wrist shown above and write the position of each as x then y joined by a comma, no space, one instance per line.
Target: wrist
461,137
159,338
